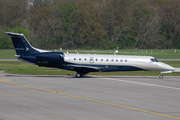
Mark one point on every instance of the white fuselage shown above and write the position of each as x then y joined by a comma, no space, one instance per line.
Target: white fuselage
142,62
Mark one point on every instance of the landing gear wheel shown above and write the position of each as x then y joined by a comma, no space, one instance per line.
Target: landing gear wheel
161,76
78,75
81,75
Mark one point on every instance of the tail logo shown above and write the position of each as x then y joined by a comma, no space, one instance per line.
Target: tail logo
27,49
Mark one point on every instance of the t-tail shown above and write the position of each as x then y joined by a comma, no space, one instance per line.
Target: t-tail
21,45
25,52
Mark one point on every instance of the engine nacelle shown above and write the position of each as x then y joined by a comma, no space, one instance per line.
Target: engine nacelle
50,59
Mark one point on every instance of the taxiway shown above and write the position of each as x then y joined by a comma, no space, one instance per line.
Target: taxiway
27,97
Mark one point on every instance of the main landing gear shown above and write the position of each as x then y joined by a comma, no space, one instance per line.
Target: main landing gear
78,75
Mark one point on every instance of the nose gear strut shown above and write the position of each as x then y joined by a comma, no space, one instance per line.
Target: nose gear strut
161,76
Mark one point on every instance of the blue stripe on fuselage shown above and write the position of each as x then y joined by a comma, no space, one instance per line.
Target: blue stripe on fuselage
107,68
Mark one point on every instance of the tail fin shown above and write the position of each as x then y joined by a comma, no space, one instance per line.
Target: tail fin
21,44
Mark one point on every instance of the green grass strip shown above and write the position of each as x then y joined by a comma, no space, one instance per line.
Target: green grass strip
167,53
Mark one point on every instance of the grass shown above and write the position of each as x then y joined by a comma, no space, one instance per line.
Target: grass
18,67
167,53
7,54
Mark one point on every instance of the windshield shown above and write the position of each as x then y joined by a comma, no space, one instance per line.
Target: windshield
154,60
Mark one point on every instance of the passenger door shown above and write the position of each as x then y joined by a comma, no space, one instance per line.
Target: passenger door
91,60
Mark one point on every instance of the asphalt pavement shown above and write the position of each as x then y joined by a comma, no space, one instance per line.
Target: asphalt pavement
42,97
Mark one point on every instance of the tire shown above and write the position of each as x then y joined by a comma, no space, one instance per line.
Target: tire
160,76
78,75
82,75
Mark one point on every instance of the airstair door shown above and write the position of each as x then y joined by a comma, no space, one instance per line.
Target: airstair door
91,60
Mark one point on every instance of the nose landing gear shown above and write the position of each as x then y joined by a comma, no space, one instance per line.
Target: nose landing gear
161,76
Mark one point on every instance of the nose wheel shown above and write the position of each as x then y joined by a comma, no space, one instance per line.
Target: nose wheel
160,76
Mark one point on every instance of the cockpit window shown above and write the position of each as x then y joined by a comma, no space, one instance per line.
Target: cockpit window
154,60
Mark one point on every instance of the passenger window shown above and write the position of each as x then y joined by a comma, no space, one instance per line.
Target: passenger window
125,60
112,60
74,58
85,59
79,58
96,59
107,60
117,60
101,59
121,60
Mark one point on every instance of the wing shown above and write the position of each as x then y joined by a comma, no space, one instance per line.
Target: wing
91,68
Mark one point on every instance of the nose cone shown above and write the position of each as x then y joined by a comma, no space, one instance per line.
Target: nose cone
166,66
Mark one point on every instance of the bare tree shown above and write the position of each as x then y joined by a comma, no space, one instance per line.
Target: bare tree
148,32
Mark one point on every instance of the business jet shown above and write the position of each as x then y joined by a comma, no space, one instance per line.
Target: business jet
85,63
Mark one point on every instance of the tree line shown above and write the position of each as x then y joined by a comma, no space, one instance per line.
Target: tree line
92,24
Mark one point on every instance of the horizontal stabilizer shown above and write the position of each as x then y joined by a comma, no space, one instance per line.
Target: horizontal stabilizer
14,34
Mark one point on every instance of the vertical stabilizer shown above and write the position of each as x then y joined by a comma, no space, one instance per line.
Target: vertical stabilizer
21,44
